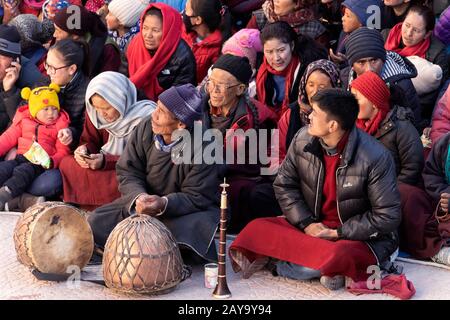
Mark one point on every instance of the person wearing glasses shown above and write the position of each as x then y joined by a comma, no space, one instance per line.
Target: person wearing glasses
414,37
228,108
67,65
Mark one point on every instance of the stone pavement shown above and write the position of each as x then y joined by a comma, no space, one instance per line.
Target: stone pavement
16,282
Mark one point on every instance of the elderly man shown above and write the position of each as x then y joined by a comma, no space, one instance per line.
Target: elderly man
227,108
16,72
338,192
184,196
365,51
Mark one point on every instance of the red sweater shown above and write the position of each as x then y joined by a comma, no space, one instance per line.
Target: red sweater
330,216
206,52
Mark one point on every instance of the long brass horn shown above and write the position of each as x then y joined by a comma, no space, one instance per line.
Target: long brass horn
221,291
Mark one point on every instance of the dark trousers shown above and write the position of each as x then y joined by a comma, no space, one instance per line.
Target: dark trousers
18,174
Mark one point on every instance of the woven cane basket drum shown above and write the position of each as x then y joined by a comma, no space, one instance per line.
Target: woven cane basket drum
142,256
53,236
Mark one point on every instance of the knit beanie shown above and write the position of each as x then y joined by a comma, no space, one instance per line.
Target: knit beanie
359,8
33,33
127,12
239,67
429,75
9,41
185,102
371,86
41,98
364,43
244,43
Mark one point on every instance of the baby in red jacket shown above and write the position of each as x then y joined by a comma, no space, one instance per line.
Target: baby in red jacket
34,132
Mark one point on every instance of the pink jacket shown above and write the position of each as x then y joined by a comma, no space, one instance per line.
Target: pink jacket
440,123
24,130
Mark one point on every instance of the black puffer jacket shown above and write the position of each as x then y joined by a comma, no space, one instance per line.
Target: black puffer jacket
180,69
368,200
434,171
71,99
399,136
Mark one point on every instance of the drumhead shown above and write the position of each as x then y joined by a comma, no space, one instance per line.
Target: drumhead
60,239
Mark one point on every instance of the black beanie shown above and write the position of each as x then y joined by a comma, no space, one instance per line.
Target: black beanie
9,41
364,43
237,66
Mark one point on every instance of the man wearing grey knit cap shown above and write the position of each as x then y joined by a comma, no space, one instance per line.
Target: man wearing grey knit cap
365,52
183,195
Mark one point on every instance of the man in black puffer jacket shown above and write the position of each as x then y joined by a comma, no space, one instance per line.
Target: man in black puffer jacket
337,182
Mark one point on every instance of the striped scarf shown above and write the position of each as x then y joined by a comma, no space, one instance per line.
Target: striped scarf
121,94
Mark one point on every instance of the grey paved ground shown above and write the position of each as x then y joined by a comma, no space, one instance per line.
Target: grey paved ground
18,283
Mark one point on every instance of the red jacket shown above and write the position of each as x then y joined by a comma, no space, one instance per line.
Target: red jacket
206,52
440,124
24,130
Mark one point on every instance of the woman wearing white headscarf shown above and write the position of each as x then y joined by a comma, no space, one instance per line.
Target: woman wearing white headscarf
113,112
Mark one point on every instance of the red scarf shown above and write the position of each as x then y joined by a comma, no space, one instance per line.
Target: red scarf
288,73
144,68
371,126
394,39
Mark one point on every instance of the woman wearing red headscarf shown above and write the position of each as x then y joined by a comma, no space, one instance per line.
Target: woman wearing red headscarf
158,58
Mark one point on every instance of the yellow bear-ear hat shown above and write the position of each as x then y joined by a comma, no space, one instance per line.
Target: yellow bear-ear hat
41,97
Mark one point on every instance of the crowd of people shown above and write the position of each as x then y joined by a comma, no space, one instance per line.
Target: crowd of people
349,100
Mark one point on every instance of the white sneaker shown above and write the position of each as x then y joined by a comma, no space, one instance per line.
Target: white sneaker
443,256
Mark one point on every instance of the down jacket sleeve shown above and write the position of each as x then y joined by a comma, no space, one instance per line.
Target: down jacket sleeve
410,151
287,191
385,214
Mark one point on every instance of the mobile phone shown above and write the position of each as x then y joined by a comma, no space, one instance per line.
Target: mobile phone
86,156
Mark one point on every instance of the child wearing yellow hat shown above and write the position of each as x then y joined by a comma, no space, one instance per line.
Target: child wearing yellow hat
34,131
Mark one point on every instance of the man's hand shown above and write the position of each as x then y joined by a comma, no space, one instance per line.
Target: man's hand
314,229
328,234
150,204
319,230
65,136
338,57
11,75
